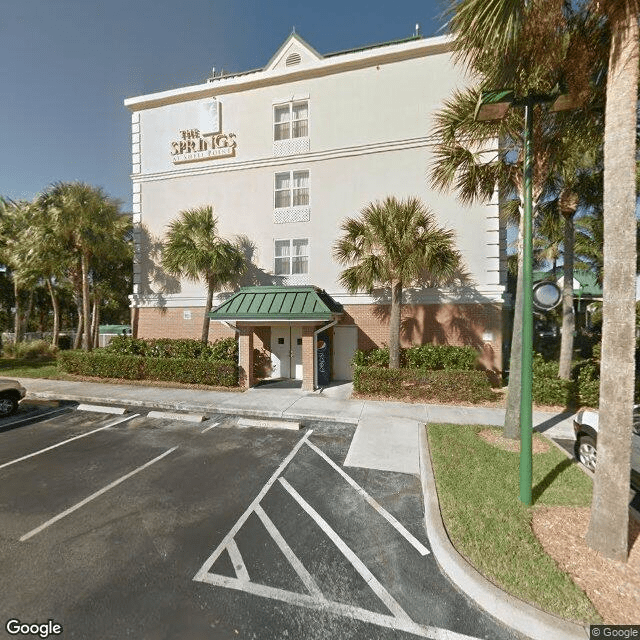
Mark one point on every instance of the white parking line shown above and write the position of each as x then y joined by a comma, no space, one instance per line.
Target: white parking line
204,569
238,562
82,435
210,427
75,507
37,416
420,548
293,559
388,600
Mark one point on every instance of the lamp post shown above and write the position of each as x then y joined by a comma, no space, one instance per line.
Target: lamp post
493,105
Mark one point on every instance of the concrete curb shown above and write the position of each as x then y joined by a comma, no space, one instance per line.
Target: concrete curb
516,614
191,406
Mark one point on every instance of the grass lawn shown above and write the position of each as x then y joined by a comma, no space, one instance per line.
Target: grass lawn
21,368
479,497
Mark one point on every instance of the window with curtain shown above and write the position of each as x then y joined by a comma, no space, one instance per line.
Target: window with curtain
291,120
291,189
291,257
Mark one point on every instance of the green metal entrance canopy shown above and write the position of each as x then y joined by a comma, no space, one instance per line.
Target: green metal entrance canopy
264,304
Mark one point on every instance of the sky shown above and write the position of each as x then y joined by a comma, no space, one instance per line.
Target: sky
66,66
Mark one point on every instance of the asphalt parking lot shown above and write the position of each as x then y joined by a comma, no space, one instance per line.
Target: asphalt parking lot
128,526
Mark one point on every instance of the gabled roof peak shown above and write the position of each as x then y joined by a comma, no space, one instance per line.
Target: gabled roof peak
293,51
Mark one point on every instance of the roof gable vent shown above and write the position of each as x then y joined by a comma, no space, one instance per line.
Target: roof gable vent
292,59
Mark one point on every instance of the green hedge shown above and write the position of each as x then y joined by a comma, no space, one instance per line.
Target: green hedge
421,384
426,356
441,356
223,349
101,364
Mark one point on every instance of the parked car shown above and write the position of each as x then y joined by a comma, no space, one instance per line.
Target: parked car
11,392
585,426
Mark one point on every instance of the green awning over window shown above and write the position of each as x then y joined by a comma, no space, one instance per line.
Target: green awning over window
278,304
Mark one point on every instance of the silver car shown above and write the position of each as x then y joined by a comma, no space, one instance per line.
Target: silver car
11,392
585,426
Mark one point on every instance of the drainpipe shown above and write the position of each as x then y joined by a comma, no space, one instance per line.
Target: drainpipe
315,351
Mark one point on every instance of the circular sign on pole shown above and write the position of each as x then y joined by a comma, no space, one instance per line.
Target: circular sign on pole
546,295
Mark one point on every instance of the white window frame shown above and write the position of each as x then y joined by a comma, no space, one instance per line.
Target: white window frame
292,190
291,121
290,257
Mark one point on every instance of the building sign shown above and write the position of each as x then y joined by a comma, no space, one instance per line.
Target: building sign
194,145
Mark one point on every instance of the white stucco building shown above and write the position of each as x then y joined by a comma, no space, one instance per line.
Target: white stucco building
284,154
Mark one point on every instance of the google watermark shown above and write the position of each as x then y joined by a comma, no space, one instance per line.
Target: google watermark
46,629
598,631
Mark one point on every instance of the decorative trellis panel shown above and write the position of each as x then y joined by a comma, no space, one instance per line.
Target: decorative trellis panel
290,147
292,214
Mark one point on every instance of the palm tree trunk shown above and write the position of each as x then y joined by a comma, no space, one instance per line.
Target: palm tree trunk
95,319
207,308
27,313
78,338
568,316
17,325
608,527
86,338
511,427
56,312
394,324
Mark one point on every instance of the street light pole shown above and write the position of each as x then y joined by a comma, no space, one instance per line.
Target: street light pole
526,400
493,105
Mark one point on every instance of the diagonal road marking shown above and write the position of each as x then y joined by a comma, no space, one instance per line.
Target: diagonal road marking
82,435
420,548
338,608
293,559
204,570
215,424
77,506
238,562
388,600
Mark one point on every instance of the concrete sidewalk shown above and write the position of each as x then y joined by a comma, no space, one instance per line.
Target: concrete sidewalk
389,436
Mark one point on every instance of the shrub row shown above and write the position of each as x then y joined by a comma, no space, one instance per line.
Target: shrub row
223,349
29,350
220,373
422,384
427,356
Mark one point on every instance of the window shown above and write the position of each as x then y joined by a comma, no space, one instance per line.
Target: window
291,120
291,257
291,189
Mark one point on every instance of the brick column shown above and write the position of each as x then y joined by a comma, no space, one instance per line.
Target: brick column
245,357
307,359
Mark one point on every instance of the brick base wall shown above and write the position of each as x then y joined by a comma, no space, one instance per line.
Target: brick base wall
170,323
456,324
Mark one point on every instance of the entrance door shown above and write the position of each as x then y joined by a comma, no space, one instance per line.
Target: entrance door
345,343
286,352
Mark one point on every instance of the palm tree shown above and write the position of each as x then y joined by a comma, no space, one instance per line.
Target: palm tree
194,250
507,29
465,159
608,526
15,232
84,220
395,243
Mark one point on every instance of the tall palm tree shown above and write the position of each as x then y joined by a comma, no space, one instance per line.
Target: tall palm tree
84,220
507,29
194,250
468,159
395,243
608,526
15,236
